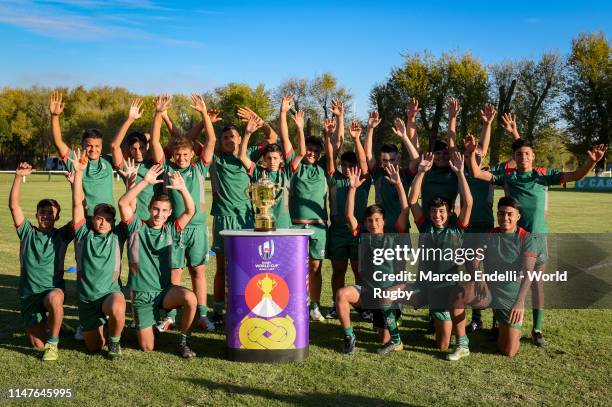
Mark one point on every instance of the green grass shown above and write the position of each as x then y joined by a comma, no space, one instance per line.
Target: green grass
573,369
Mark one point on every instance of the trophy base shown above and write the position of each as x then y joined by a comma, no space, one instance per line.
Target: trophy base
264,225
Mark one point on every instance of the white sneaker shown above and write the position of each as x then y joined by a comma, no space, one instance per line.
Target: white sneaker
315,315
460,352
206,324
166,325
78,335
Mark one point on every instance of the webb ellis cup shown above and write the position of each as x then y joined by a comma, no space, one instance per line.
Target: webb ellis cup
263,194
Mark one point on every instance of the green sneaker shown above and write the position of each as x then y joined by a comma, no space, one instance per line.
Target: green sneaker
460,352
390,347
114,351
50,353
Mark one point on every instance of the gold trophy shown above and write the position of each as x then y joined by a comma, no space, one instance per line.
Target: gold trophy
263,194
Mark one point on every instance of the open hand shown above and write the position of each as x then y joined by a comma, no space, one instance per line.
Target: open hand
56,105
597,152
286,103
298,118
337,108
399,128
456,162
393,174
79,162
354,176
135,112
412,109
426,162
153,173
162,103
488,114
374,120
176,181
198,104
355,130
330,126
453,108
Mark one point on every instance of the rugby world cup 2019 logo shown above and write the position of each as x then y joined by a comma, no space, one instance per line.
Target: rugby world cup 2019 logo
266,250
267,295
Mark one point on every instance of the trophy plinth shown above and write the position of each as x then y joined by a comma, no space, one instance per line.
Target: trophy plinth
263,194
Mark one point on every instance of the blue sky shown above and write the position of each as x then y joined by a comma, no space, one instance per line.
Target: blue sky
151,46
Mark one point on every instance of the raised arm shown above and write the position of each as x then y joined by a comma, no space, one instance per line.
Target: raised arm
23,170
177,182
337,110
473,167
394,177
355,132
412,109
453,112
79,163
56,107
415,189
487,115
209,148
134,114
284,129
172,129
373,122
127,203
456,164
330,126
298,119
510,127
355,181
252,126
245,114
595,154
399,129
161,105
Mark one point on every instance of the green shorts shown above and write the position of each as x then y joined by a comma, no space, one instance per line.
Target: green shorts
90,313
191,249
316,241
503,316
237,222
342,247
33,309
147,306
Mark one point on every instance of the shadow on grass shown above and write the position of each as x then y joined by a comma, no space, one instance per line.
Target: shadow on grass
309,399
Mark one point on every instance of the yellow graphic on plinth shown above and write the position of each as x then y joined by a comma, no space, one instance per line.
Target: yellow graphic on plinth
260,333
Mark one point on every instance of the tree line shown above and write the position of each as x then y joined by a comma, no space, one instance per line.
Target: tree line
561,103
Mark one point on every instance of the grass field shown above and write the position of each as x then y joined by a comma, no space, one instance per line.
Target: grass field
575,367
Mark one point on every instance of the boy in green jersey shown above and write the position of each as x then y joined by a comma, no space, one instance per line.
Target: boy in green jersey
150,246
307,200
509,247
441,229
529,185
191,247
277,161
385,319
341,244
98,176
41,256
98,246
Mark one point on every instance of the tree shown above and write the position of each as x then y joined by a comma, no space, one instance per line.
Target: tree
230,97
588,103
503,78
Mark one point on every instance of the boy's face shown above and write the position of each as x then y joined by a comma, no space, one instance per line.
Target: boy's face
387,159
92,148
441,158
159,211
138,150
102,223
46,217
346,166
507,218
438,215
230,141
524,158
182,156
313,153
273,161
375,224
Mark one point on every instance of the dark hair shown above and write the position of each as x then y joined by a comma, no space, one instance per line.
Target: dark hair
372,209
389,148
439,145
160,198
314,141
521,143
181,142
136,137
349,157
45,203
104,208
509,201
272,148
438,201
230,127
91,133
